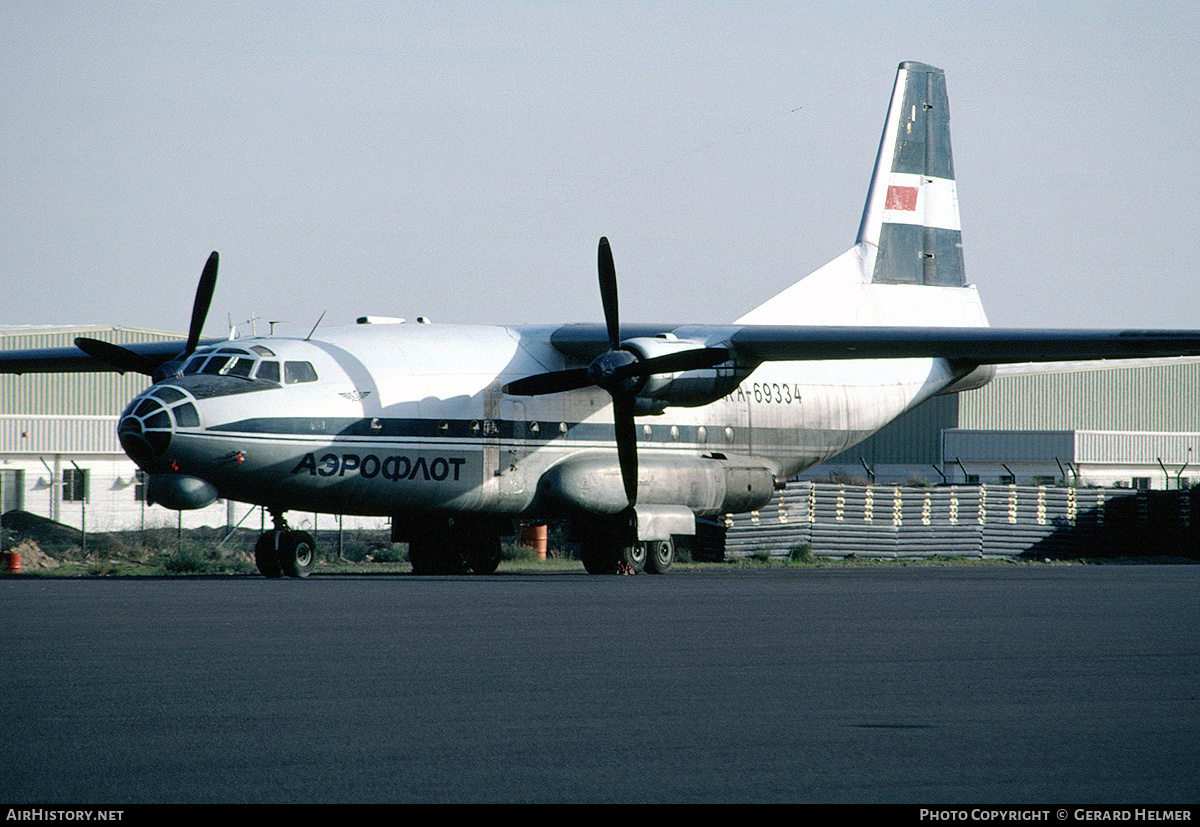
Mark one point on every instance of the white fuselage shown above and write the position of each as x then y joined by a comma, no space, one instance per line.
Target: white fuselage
411,418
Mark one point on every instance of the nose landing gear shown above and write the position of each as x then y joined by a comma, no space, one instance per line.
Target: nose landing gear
285,551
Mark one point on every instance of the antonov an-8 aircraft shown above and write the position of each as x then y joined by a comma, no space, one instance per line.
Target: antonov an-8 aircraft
630,432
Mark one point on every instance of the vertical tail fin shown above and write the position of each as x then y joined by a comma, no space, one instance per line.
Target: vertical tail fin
907,265
911,215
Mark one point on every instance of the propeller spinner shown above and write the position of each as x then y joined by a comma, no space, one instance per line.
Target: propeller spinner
124,359
617,371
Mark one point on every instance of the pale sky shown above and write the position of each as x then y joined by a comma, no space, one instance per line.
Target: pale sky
460,160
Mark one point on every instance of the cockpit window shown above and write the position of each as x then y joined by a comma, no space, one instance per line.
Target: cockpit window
168,394
186,416
239,367
294,372
158,420
216,365
268,371
230,361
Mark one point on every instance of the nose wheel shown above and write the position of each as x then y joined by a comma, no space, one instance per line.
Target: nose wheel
285,551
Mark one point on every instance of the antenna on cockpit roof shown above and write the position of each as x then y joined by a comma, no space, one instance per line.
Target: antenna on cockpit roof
314,330
234,329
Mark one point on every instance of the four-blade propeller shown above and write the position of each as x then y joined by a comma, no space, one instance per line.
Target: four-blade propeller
618,371
124,359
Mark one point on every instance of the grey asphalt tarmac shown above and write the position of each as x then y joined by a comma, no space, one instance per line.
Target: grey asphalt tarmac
1044,686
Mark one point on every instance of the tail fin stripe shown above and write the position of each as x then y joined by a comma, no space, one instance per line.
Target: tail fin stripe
915,199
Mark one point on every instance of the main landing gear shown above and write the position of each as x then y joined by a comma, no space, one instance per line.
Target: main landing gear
611,554
285,551
450,546
610,546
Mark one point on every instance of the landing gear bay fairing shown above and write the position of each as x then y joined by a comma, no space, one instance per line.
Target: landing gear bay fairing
629,432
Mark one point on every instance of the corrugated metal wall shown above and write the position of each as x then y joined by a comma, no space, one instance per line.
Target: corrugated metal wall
1143,397
1146,449
1009,446
72,394
1137,397
968,521
1135,452
49,435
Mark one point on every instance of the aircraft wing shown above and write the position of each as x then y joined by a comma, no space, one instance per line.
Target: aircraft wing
977,345
74,360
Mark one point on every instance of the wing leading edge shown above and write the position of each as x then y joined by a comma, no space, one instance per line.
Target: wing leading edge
773,343
981,346
753,344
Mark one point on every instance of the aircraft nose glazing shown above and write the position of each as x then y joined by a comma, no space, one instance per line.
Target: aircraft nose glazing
148,424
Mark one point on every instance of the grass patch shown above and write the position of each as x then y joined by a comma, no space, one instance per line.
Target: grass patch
192,558
802,554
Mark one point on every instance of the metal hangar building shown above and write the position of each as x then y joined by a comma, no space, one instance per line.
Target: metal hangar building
1120,424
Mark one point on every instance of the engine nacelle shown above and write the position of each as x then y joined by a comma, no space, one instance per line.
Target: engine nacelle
687,389
179,492
712,485
974,380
